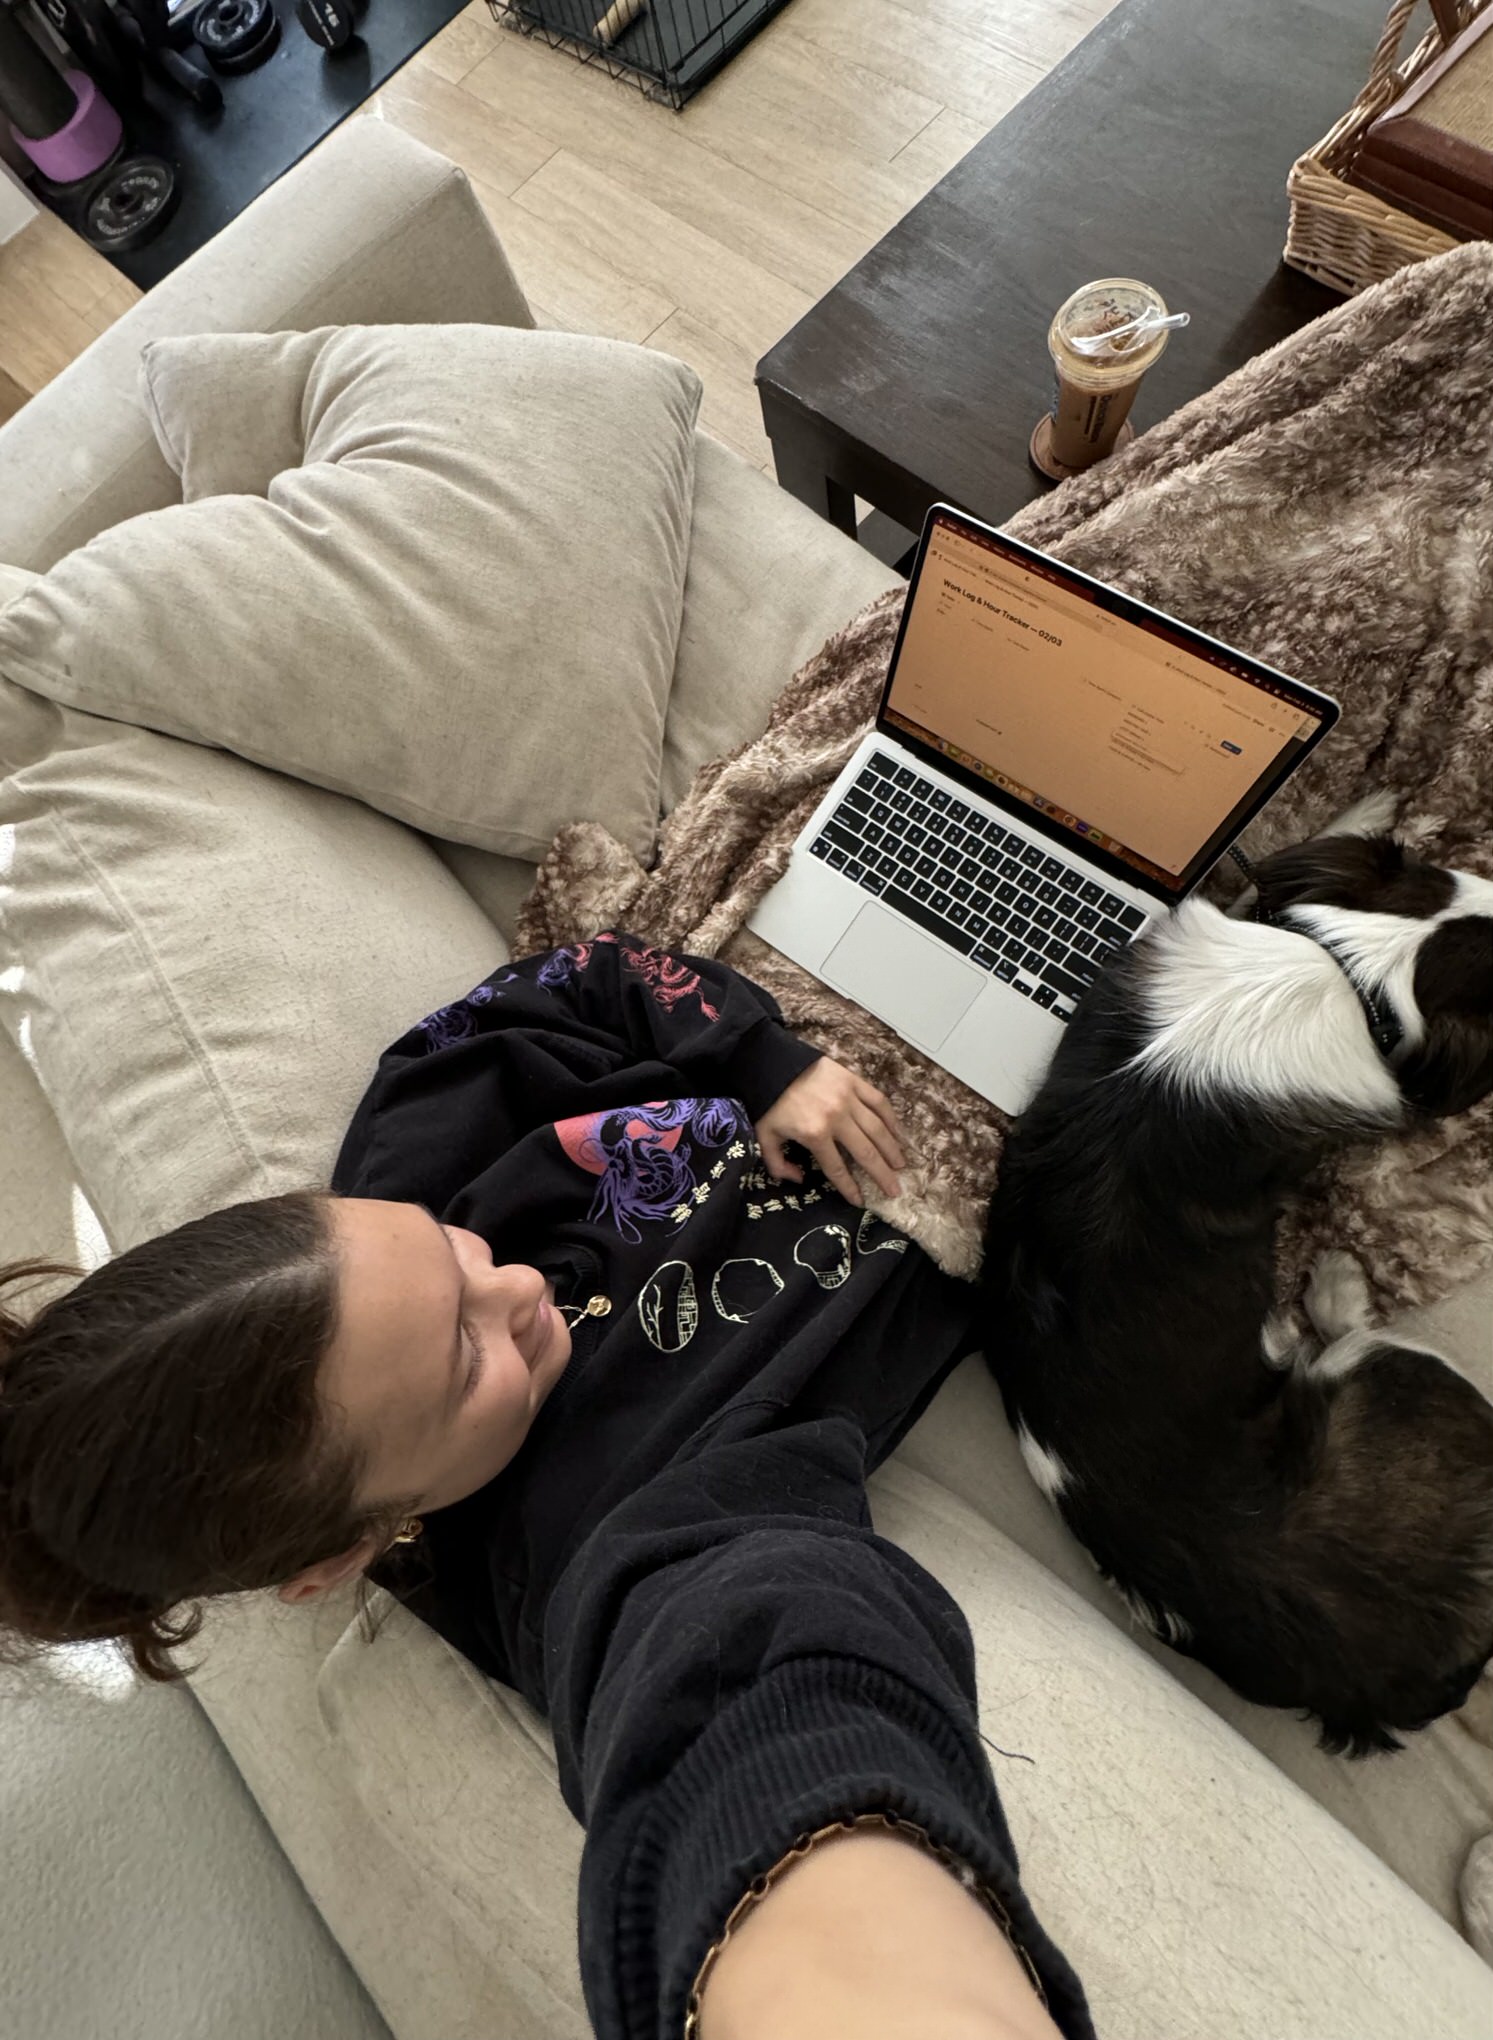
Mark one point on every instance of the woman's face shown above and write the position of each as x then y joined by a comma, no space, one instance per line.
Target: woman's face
442,1360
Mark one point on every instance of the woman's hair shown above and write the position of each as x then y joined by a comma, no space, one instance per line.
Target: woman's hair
161,1435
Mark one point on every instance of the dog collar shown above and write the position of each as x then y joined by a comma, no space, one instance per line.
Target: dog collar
1379,1016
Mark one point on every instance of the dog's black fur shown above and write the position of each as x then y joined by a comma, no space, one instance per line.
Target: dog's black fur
1320,1536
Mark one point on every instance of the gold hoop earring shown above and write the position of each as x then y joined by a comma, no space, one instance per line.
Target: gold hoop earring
409,1531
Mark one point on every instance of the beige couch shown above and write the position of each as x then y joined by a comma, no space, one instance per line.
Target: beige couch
1212,1875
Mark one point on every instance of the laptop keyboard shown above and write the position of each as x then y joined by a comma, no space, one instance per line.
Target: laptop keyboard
1007,903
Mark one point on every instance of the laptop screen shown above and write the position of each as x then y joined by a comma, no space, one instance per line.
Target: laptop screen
1102,717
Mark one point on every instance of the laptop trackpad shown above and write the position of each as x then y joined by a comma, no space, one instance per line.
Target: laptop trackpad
905,977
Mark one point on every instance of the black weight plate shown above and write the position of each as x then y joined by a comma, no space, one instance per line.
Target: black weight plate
130,205
236,35
225,28
266,46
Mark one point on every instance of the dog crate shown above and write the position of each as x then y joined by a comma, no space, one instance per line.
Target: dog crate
668,47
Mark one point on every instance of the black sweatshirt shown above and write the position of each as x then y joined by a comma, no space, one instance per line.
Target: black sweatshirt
678,1565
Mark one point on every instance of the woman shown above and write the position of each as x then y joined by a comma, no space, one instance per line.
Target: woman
583,1366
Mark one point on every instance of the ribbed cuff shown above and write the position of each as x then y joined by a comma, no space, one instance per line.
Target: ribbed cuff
765,1062
816,1741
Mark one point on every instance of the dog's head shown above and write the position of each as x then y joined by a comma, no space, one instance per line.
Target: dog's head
1418,934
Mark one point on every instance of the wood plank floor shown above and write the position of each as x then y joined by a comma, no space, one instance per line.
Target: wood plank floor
706,233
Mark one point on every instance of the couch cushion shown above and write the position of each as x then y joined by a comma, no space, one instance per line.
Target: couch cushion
44,1212
203,961
1477,1897
768,582
1420,1811
416,1729
1195,1889
462,605
370,228
444,1951
1199,1893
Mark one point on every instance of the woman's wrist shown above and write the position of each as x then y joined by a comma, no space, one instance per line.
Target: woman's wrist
867,1936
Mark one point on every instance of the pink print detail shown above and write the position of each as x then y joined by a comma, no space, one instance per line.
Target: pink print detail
643,1156
666,978
582,1141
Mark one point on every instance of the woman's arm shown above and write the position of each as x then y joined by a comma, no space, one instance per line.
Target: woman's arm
734,1660
869,1938
600,1024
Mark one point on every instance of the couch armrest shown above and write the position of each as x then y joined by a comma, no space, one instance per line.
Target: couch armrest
145,1897
372,228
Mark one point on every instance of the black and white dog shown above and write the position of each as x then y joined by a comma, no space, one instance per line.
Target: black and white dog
1311,1518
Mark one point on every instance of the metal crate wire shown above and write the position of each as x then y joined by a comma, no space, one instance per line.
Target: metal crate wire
668,47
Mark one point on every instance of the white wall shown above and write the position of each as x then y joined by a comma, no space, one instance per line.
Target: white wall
16,208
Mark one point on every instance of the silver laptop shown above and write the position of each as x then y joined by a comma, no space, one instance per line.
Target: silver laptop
1053,765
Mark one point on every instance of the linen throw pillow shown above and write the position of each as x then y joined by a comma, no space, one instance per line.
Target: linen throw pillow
201,961
440,568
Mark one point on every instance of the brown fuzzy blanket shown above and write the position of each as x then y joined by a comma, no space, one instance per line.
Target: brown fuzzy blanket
1328,508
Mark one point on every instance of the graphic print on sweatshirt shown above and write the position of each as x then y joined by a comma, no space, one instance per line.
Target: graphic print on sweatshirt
652,1161
670,980
671,1306
670,983
652,1167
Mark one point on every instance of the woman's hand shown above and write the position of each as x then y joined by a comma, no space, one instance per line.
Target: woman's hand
868,1939
833,1113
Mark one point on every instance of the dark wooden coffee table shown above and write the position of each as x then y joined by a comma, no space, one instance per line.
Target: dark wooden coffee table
1158,148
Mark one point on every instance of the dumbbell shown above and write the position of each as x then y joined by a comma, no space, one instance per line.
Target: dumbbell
328,22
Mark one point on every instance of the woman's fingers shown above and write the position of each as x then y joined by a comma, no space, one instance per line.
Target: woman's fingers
830,1149
885,1141
775,1156
882,1106
827,1154
863,1149
835,1114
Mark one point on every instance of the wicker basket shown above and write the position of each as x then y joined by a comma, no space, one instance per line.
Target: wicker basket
1340,235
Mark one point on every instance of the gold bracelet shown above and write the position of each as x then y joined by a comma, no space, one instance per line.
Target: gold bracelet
892,1823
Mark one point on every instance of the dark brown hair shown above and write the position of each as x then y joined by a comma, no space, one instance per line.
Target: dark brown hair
161,1437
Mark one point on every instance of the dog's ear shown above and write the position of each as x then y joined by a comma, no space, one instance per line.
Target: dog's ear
1374,874
1453,1066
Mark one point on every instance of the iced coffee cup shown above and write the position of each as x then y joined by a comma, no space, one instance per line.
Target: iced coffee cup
1096,382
